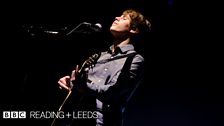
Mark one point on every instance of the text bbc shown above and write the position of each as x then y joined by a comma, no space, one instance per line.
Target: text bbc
14,114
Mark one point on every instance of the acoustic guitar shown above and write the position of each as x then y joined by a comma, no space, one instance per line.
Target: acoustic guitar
70,97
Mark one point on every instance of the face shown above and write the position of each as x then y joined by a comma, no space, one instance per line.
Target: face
121,24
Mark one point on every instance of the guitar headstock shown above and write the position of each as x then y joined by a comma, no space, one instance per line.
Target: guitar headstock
90,62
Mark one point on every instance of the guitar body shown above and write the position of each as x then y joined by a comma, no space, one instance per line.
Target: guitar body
74,108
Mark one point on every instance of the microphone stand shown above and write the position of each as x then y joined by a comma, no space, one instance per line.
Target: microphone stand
74,29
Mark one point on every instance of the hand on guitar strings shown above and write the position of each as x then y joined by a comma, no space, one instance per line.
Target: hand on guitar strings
76,77
65,82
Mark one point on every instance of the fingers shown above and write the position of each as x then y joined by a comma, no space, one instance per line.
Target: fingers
77,68
64,83
74,73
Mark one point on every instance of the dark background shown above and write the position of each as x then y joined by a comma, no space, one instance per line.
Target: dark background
181,87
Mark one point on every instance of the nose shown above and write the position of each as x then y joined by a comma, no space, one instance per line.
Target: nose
117,18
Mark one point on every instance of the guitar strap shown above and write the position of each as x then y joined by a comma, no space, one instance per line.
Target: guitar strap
125,74
118,57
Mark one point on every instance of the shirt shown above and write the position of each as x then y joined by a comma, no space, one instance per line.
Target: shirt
106,71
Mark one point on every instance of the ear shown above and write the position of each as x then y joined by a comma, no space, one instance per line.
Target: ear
134,31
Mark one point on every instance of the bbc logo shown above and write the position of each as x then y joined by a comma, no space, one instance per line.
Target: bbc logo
14,114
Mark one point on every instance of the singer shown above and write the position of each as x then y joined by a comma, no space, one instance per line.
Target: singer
107,80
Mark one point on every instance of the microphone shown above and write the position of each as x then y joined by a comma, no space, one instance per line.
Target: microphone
86,27
95,27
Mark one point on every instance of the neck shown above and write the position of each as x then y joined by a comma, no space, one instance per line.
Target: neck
119,42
